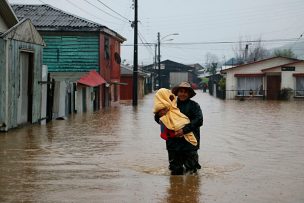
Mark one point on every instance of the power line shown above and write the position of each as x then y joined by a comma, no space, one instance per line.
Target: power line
42,2
75,5
142,39
105,11
114,11
217,42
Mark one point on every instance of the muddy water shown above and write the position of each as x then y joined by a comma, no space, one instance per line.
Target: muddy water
251,151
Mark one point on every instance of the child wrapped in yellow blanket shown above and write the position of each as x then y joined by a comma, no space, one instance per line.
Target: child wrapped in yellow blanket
173,120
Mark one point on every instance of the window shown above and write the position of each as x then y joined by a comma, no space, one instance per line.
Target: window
247,86
107,47
300,86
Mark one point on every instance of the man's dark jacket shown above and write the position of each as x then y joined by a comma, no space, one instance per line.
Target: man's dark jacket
193,111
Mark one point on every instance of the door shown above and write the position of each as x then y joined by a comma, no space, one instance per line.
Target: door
273,87
84,99
25,93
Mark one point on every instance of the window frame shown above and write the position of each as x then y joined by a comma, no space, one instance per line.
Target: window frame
299,92
245,89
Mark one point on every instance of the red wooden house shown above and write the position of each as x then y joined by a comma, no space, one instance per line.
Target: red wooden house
126,91
110,67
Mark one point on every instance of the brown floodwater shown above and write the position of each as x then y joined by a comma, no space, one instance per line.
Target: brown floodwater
251,151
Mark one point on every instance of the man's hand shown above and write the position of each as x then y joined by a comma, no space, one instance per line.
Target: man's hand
179,133
162,112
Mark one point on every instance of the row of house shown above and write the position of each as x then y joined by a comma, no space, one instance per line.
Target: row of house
53,64
272,78
77,51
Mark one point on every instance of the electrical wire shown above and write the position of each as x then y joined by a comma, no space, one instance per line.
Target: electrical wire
114,11
105,11
83,10
42,2
219,42
147,45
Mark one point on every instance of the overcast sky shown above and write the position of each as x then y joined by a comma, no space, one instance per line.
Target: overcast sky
202,25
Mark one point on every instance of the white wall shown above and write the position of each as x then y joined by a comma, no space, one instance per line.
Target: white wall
254,68
79,100
44,93
178,77
59,99
89,99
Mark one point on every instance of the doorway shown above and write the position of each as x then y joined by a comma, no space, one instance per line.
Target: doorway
273,87
25,93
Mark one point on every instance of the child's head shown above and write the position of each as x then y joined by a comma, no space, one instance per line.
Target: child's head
164,99
171,97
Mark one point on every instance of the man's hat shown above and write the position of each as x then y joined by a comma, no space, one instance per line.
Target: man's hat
184,85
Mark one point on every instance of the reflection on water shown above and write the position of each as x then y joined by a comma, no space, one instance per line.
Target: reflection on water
183,189
251,151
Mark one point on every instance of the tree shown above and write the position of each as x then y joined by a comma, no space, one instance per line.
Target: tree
258,52
211,63
285,53
248,51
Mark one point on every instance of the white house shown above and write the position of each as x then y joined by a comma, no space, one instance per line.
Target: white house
265,78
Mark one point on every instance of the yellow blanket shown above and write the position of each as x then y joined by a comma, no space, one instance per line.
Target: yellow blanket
174,119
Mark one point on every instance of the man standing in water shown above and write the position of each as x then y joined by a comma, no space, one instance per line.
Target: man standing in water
183,156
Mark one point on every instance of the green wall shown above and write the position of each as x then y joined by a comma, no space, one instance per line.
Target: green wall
71,53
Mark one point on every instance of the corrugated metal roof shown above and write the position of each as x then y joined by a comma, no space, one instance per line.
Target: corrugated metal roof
48,18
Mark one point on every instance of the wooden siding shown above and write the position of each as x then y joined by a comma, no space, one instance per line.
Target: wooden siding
126,91
71,53
115,48
2,81
10,88
109,68
24,31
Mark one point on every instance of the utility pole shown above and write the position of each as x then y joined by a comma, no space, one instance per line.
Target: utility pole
135,59
155,63
159,69
159,72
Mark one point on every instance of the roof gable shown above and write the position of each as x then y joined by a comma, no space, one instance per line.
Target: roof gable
248,65
7,14
170,65
278,68
24,31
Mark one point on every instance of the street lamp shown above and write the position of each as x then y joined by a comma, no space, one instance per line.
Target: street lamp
158,43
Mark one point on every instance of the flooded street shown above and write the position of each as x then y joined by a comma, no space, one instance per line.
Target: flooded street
251,151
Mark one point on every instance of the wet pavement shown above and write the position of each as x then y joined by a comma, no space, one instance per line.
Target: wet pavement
251,151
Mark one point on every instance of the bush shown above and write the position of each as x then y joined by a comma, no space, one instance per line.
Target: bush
222,84
286,93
